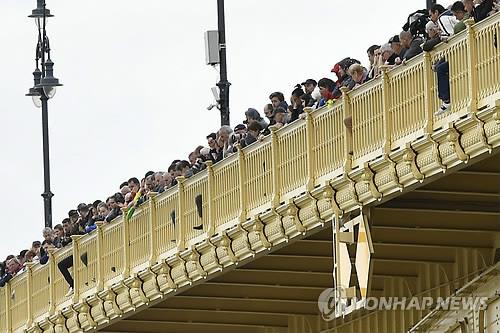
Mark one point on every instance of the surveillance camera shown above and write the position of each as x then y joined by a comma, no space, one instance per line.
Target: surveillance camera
210,107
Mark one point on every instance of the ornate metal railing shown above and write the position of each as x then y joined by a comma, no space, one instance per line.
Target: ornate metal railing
388,114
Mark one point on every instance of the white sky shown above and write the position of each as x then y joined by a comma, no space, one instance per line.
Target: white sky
136,86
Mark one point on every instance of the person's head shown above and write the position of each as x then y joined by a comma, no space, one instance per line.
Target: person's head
395,44
371,53
110,202
432,29
58,231
212,140
405,38
167,178
47,244
124,189
276,98
29,255
67,225
159,179
224,133
128,198
386,52
73,215
47,233
13,266
252,115
183,167
83,210
192,157
326,87
296,94
149,183
309,85
469,5
280,115
338,71
268,111
134,184
240,129
435,11
254,129
458,10
102,209
356,71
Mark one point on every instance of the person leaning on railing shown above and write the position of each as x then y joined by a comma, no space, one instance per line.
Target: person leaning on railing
12,267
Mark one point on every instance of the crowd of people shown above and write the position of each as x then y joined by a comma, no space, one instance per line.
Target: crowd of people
423,31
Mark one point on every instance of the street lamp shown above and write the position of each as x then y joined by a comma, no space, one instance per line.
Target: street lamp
43,89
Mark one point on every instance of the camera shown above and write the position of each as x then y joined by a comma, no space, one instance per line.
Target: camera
234,138
198,166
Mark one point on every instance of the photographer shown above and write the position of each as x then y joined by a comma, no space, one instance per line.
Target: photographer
253,132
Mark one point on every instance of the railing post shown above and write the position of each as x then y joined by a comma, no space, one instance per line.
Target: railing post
52,279
472,61
76,267
29,291
386,110
428,79
348,132
275,167
241,178
126,245
100,256
8,310
211,196
153,226
180,232
310,149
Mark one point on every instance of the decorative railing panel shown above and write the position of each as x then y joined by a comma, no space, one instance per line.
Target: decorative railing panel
292,166
367,118
139,236
487,35
113,248
258,182
166,213
226,202
328,140
196,205
19,302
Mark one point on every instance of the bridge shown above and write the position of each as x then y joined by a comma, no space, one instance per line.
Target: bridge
404,205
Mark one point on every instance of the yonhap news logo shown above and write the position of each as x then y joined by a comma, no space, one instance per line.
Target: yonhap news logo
332,303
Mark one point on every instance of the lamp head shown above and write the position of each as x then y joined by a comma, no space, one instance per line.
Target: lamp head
49,82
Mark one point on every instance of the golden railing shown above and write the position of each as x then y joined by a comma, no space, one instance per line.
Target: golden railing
387,113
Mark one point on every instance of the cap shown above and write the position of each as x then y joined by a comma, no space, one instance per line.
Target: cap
82,206
309,81
36,244
335,69
72,212
394,39
239,127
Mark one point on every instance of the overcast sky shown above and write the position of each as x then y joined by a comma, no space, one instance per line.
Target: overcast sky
136,86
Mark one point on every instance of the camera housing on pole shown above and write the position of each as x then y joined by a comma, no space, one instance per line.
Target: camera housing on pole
215,53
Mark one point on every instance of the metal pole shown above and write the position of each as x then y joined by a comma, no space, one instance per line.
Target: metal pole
47,194
430,3
223,84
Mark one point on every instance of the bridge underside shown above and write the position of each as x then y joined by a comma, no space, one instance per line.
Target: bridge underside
428,242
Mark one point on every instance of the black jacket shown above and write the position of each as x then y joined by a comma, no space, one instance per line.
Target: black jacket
414,48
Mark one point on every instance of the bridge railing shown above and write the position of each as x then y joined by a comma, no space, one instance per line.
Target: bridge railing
386,113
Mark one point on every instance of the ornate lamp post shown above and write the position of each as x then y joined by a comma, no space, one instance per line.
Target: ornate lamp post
44,89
